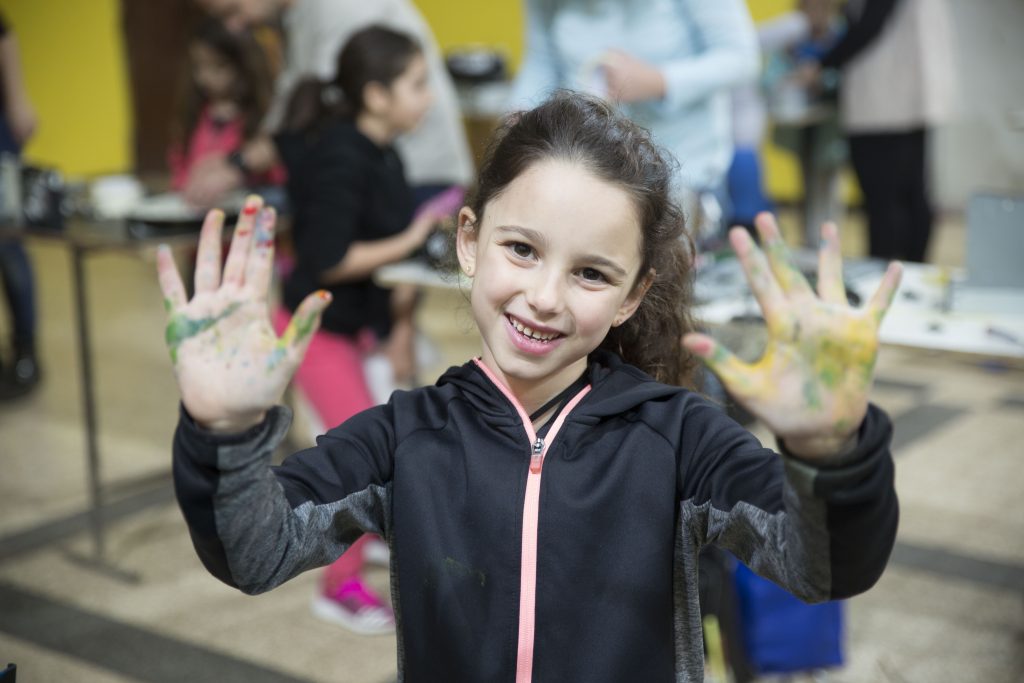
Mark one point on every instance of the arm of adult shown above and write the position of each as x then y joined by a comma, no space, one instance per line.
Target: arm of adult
541,70
229,364
860,33
21,116
729,58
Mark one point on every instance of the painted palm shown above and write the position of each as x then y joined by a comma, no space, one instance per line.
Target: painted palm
811,385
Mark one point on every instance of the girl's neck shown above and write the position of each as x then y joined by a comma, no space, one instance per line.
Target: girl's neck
533,394
223,110
375,128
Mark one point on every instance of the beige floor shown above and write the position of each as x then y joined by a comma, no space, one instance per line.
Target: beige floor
949,609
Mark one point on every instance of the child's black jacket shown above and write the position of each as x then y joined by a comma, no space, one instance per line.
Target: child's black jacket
639,478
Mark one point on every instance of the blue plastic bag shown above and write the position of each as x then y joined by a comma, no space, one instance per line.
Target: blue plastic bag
783,634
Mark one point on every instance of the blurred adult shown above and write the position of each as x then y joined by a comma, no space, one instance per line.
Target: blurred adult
18,122
435,156
896,67
669,64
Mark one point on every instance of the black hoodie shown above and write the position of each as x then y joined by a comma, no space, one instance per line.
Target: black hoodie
599,583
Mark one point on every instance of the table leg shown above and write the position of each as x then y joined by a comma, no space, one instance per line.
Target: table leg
88,402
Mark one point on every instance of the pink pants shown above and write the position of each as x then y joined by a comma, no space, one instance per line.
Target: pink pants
332,380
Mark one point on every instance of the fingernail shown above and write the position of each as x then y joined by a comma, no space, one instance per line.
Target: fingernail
701,347
324,295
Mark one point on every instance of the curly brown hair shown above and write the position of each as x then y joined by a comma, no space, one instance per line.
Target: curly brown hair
588,131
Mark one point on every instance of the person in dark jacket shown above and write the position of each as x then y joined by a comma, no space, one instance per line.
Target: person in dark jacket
546,502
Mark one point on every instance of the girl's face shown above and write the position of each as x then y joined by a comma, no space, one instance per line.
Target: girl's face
409,97
214,75
554,265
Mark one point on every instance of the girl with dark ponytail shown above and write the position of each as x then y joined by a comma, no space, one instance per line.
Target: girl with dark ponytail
352,212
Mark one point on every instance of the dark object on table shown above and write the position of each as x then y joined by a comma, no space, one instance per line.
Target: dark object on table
435,250
44,198
145,229
167,215
9,674
472,65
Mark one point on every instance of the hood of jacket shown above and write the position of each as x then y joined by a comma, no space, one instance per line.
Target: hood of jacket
616,388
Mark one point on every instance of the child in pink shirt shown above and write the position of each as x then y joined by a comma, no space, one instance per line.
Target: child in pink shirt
224,101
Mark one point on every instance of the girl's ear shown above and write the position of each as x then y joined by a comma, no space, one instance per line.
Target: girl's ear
376,97
632,302
466,240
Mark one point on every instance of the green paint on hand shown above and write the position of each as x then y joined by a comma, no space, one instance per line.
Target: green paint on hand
811,396
304,327
830,376
720,355
180,328
276,356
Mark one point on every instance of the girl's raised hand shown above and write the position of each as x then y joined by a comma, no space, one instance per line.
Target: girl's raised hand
811,385
229,364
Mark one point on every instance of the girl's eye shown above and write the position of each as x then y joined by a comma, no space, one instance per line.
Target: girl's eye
592,275
520,249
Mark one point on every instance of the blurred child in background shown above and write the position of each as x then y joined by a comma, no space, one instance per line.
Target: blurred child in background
226,96
353,212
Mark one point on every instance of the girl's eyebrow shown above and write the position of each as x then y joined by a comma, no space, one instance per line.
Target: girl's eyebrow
602,262
532,235
538,238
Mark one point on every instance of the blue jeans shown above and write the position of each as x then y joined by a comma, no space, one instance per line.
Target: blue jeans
19,286
16,272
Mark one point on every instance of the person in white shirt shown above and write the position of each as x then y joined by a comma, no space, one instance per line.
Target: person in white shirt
669,64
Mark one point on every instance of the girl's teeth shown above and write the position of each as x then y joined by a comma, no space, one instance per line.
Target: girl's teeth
529,332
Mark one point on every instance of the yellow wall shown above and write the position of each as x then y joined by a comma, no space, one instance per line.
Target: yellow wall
73,59
497,24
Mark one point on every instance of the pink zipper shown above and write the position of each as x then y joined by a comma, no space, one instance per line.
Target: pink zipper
531,509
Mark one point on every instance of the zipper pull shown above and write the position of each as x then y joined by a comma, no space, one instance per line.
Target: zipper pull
537,456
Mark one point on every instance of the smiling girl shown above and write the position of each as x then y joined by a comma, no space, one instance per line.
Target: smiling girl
546,502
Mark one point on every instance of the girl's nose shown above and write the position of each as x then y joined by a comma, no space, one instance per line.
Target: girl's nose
544,292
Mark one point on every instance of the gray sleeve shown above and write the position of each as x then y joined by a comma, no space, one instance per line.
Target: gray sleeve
255,526
819,532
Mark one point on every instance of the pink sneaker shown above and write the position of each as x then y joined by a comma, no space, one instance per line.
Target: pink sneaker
356,607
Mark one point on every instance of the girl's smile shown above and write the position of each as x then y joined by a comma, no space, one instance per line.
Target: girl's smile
532,337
